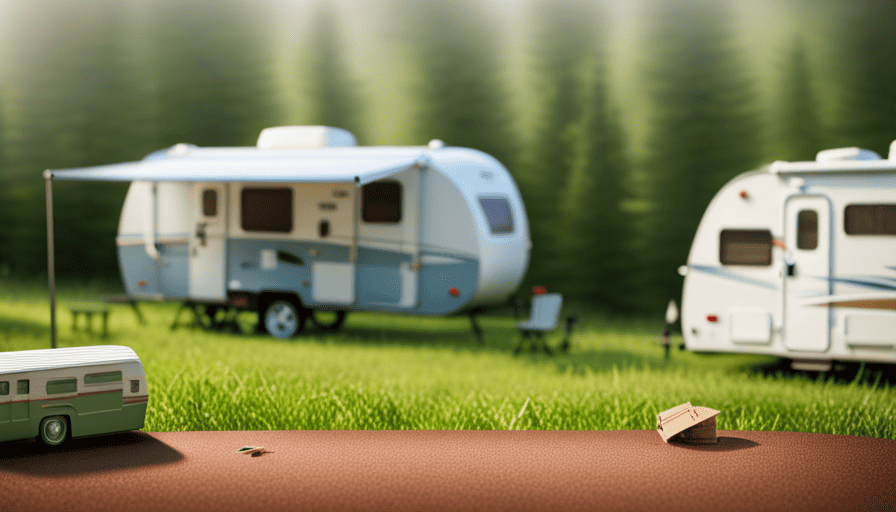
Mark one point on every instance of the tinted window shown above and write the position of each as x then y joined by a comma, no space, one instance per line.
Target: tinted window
381,202
267,209
807,229
745,247
4,388
870,219
102,378
22,387
497,211
209,203
55,387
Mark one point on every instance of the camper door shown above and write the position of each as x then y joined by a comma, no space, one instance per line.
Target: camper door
807,270
389,224
207,242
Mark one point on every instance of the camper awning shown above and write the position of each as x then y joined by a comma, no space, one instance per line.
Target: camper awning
271,170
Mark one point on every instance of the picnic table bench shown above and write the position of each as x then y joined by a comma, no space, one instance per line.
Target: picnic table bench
88,310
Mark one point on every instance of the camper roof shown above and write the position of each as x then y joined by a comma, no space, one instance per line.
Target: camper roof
68,357
840,160
189,163
845,166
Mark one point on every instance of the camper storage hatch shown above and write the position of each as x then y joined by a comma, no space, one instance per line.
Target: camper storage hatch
307,220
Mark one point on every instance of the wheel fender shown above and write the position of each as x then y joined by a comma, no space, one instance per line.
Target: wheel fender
65,410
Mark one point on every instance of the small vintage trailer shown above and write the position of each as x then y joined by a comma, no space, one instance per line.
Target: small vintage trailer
798,260
307,221
80,391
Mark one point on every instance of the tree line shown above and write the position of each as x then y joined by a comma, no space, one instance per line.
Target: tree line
611,215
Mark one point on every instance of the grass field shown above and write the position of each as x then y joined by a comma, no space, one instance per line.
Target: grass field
400,372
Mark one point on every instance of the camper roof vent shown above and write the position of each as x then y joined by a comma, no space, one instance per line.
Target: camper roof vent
436,144
175,150
892,151
305,137
838,154
180,149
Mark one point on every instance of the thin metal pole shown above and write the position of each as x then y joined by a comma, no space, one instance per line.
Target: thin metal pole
51,263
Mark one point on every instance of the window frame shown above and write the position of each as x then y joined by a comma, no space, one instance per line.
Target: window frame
63,386
855,207
804,241
287,222
730,231
382,183
489,219
212,193
101,378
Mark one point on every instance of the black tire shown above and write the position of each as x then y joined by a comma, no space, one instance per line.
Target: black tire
53,430
283,319
325,325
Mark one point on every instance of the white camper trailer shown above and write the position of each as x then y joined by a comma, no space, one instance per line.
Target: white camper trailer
307,221
798,260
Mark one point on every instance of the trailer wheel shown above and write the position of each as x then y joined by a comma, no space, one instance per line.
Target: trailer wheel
283,319
53,430
321,320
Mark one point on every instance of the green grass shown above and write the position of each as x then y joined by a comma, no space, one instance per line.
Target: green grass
400,372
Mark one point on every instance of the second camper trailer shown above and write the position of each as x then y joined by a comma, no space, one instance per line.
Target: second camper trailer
307,221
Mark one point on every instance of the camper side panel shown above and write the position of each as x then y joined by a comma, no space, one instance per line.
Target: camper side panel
864,270
157,215
407,259
732,288
449,245
497,219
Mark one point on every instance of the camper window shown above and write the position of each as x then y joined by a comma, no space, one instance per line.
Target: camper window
807,230
381,202
4,388
870,219
209,202
267,209
497,211
745,247
22,387
102,378
55,387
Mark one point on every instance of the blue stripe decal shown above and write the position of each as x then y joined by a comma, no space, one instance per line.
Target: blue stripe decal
866,281
727,274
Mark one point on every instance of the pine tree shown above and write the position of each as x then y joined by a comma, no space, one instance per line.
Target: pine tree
209,70
455,49
562,44
599,233
331,89
801,135
73,108
867,68
703,131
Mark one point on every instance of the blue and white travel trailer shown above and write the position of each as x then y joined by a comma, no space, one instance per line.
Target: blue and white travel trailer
798,260
307,221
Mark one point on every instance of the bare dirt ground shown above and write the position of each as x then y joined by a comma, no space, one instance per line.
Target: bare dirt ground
449,470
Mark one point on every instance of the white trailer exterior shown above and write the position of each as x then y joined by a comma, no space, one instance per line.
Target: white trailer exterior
308,221
798,260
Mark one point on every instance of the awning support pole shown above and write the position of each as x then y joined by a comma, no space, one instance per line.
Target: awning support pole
51,263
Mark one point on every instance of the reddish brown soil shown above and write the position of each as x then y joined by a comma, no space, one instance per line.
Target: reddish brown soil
449,470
